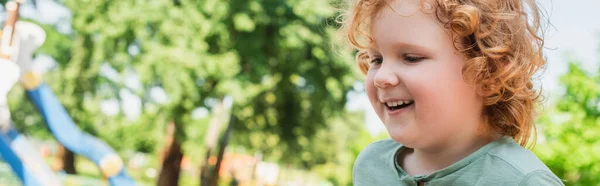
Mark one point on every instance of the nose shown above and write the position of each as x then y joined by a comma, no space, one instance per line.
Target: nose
385,77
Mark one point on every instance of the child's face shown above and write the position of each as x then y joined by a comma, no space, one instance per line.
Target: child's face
413,59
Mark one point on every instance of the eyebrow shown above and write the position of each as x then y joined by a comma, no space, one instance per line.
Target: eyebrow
405,46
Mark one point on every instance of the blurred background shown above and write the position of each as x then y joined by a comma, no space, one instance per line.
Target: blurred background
251,92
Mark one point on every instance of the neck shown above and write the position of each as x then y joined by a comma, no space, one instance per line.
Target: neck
428,160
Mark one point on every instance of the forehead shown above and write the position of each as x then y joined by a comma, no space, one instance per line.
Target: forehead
404,7
406,21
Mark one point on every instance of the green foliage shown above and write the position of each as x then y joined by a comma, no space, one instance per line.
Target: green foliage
334,149
25,122
273,57
570,130
293,83
172,51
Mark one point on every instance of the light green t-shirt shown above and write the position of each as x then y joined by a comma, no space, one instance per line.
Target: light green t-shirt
501,162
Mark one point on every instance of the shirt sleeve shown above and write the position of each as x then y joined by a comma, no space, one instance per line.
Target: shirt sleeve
541,177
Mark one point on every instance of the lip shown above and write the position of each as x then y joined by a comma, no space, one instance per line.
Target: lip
397,112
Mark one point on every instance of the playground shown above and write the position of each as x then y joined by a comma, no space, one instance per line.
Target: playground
248,93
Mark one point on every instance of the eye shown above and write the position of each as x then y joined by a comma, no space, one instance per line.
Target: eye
374,61
413,58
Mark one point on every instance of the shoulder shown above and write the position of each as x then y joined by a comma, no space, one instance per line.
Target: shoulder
511,157
509,153
541,177
376,159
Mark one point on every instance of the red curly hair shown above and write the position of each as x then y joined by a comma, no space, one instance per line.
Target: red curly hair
500,41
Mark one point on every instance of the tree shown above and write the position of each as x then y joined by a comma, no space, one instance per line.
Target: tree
292,79
273,57
166,49
569,130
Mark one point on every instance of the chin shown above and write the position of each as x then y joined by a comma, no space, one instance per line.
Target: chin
402,137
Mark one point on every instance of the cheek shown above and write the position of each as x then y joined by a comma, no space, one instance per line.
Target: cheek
441,94
370,88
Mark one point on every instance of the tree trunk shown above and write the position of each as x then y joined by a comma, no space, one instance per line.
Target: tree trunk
171,164
69,162
212,135
204,175
168,141
65,160
222,146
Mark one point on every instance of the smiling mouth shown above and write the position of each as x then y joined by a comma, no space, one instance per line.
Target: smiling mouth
399,104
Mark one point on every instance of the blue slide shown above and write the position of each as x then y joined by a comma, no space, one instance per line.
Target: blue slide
29,167
69,135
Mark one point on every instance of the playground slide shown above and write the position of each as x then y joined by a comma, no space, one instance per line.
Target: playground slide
25,161
29,167
59,122
9,156
19,40
69,135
